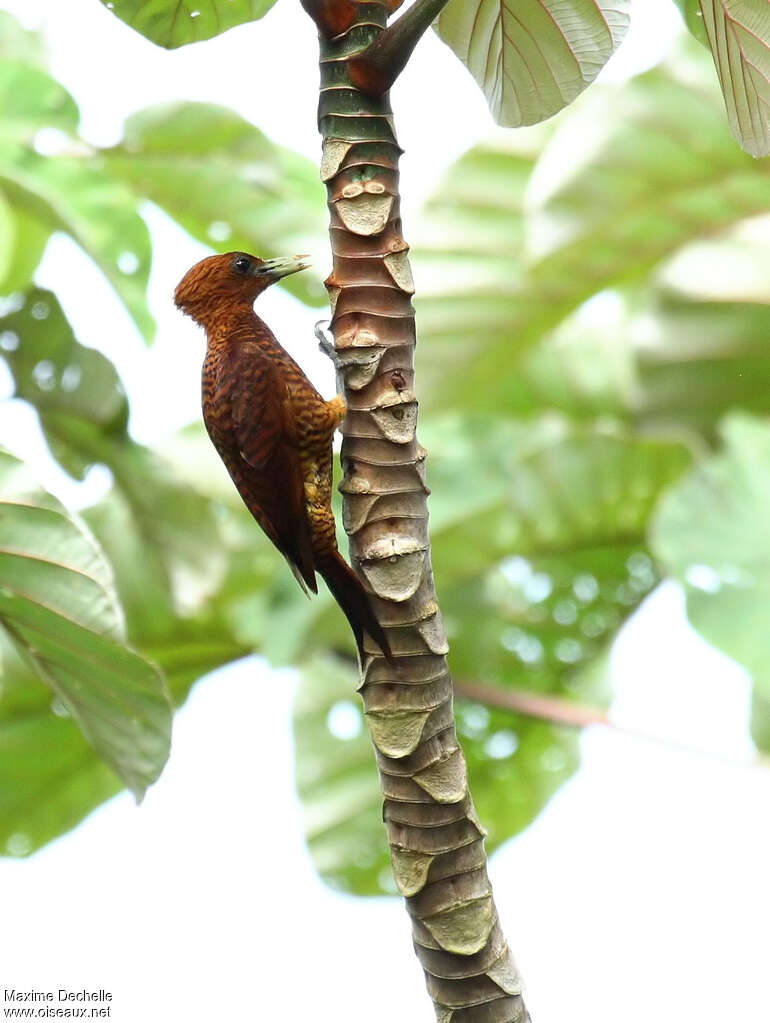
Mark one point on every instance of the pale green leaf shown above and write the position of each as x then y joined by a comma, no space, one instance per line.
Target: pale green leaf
32,99
173,23
696,361
739,36
7,240
760,720
75,195
50,777
27,245
499,267
68,191
711,533
58,604
17,43
652,359
533,57
84,414
225,183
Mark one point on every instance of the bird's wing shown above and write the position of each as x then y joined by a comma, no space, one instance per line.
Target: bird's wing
270,472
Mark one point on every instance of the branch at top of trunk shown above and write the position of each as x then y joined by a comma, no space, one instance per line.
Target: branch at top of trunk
334,17
375,70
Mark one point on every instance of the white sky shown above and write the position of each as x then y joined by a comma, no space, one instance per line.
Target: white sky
638,893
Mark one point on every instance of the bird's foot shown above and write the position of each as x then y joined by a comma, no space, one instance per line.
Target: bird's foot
326,341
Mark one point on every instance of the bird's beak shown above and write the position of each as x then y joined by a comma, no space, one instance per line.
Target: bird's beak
274,269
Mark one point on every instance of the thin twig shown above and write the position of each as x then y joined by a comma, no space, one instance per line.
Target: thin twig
577,715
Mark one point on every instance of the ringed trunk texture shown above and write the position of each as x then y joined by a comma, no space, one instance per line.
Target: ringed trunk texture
436,839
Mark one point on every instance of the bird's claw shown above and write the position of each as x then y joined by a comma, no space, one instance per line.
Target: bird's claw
326,341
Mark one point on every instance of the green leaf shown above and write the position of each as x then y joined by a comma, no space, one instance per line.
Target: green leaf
225,183
696,361
65,381
30,237
661,170
760,721
17,43
67,192
171,23
75,195
711,534
32,99
185,645
653,359
50,558
533,58
539,543
337,780
50,777
176,525
58,604
567,490
84,413
739,37
7,239
693,18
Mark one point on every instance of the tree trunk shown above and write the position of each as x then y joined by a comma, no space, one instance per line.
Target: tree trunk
436,839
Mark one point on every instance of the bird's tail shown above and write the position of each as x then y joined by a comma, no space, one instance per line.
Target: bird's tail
347,589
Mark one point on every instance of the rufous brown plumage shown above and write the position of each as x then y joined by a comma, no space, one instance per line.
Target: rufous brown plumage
271,427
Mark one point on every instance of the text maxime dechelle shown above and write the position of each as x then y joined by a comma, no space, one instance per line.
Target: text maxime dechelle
60,1003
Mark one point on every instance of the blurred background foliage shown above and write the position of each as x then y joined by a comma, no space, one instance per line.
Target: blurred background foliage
595,383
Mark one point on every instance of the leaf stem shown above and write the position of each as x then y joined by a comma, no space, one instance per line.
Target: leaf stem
375,70
578,715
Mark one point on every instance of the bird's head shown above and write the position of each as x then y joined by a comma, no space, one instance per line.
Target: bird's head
230,279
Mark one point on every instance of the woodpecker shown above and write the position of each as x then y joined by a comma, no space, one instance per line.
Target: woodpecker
271,427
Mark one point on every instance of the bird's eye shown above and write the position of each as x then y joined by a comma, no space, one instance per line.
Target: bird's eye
242,264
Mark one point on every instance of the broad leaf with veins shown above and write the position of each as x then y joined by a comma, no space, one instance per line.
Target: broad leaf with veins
512,245
59,606
533,57
739,36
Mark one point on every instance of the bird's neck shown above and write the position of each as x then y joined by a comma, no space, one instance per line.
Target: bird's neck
234,324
